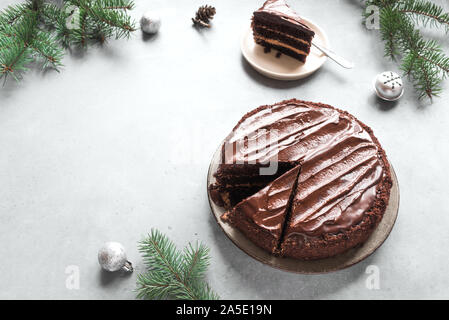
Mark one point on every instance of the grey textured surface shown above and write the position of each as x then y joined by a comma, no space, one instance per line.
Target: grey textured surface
120,142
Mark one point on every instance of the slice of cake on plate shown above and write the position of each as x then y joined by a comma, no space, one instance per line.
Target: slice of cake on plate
261,217
276,25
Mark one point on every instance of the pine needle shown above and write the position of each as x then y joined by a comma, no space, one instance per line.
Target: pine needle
173,274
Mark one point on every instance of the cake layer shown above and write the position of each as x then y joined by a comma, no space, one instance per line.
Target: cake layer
265,33
297,54
292,32
298,48
249,173
228,198
236,182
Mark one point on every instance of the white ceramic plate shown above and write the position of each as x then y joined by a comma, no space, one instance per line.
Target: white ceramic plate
284,67
338,262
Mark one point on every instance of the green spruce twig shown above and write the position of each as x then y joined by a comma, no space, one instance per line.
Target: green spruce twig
38,31
426,13
423,61
173,274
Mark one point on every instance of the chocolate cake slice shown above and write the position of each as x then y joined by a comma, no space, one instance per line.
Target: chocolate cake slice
276,25
261,217
342,190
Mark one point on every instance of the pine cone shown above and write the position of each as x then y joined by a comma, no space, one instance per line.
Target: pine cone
203,15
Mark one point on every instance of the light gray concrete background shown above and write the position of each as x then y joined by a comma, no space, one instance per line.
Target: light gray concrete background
120,142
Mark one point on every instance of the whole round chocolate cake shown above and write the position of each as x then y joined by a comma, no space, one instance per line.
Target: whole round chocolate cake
302,179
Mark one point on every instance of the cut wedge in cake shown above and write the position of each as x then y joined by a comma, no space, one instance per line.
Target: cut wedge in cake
235,182
261,217
276,25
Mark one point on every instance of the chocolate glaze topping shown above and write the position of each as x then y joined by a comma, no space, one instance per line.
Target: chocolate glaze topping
340,166
267,208
279,10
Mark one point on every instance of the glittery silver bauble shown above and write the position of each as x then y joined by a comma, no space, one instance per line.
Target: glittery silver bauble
150,22
112,257
388,86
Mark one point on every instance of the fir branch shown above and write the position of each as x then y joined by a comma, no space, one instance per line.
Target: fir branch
423,61
15,56
38,30
196,260
153,286
425,79
117,20
50,15
81,33
116,4
14,62
424,75
46,48
425,12
171,273
431,52
6,43
12,14
389,31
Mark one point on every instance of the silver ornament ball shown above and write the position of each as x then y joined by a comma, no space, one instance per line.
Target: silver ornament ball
112,257
150,22
389,86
